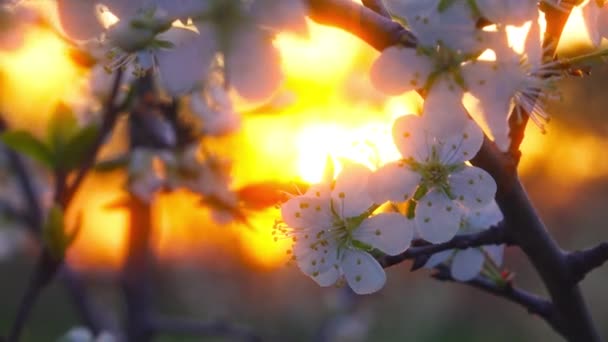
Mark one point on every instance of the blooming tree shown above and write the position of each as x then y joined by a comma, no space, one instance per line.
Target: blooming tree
451,202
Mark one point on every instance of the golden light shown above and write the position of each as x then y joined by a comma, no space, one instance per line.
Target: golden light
36,77
336,113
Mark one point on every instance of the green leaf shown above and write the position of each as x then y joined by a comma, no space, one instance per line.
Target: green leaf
24,142
62,126
112,164
53,232
444,5
77,147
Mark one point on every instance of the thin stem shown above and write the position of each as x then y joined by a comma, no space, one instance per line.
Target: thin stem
493,236
583,262
531,302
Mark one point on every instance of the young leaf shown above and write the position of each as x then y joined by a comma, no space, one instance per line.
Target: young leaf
24,142
62,126
77,147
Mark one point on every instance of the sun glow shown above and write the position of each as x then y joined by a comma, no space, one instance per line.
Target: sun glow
336,113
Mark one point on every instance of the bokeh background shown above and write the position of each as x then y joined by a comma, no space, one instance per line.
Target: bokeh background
240,274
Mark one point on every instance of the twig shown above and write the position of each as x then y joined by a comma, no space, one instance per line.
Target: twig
493,236
531,302
583,262
374,29
45,271
110,116
190,327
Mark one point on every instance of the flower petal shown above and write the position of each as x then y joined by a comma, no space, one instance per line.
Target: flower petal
467,264
315,259
473,187
284,15
439,258
78,19
411,136
437,217
253,64
461,146
391,233
399,69
328,277
511,12
362,272
393,182
184,66
350,196
484,218
306,212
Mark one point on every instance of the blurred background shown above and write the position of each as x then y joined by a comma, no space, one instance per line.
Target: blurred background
238,272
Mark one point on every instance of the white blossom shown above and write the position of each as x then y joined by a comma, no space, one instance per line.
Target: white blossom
595,14
466,264
433,174
333,232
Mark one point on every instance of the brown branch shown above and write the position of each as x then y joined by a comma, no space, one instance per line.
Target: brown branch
493,236
531,302
373,28
583,262
110,116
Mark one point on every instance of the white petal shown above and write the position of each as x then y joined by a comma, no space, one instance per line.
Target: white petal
437,217
78,19
399,69
284,15
496,252
314,259
467,264
327,278
391,233
306,212
393,182
508,12
350,196
184,66
494,85
473,187
126,8
484,218
253,65
362,272
411,136
439,258
602,22
443,110
591,13
462,145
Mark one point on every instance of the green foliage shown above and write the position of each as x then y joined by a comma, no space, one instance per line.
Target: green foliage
66,144
25,143
54,235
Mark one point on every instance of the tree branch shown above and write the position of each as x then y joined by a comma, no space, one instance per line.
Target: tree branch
371,27
493,236
189,327
531,302
583,262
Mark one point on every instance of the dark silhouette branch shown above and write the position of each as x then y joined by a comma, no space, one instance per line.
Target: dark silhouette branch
493,236
531,302
583,262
